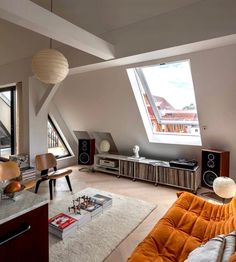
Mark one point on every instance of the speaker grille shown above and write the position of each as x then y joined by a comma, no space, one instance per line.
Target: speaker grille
211,162
86,151
215,163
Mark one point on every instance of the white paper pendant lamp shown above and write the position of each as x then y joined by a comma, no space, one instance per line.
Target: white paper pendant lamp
50,66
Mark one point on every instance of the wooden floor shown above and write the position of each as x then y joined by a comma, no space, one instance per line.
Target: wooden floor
162,196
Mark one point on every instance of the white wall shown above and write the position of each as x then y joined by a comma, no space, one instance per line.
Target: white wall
103,101
37,123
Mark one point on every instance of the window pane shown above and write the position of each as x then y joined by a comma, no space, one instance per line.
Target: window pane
55,143
172,93
5,124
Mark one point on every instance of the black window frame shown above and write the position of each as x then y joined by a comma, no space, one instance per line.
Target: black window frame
12,89
60,137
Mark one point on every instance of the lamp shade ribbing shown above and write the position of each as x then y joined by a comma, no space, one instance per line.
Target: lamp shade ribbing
50,66
224,187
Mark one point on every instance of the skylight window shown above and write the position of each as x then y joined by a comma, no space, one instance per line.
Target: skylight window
166,100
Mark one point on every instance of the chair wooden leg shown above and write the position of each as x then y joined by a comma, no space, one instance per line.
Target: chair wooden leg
37,185
50,188
68,182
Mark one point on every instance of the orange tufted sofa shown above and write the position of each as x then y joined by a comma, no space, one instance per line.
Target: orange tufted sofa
190,222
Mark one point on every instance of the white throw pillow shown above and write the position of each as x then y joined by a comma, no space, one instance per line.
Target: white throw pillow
217,249
229,249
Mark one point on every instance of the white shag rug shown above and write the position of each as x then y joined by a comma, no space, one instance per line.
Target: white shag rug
95,241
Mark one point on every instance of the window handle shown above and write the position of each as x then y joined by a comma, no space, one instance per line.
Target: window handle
18,232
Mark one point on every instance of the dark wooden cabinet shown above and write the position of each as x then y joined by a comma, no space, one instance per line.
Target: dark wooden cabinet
25,238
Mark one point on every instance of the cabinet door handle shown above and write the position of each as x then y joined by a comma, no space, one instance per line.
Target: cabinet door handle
23,229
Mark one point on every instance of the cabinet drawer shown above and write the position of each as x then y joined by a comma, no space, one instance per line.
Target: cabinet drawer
25,238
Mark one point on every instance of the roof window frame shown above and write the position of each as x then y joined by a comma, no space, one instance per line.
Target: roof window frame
138,82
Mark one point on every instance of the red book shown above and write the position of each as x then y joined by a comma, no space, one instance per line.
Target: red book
62,221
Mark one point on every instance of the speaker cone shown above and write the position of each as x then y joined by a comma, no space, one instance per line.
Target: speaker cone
210,164
209,177
211,157
84,158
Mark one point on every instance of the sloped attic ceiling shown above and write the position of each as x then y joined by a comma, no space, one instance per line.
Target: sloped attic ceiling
97,17
103,16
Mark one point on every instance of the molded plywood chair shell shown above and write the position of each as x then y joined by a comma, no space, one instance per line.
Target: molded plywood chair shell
44,164
9,170
45,161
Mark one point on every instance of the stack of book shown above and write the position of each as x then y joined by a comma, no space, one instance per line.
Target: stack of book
28,173
62,225
94,209
82,218
105,201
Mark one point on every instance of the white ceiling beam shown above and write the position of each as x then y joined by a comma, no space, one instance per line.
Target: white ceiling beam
158,54
47,97
33,17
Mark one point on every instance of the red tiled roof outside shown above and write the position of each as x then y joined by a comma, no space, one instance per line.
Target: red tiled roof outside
180,115
172,114
173,128
160,102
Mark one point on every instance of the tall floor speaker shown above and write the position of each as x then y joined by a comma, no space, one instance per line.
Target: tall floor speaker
86,151
215,163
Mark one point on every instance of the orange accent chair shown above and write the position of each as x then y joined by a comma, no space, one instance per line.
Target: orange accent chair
190,222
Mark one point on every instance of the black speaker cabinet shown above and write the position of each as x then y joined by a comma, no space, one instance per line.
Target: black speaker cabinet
86,151
215,163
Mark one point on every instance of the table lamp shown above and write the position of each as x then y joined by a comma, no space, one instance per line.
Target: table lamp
105,146
224,187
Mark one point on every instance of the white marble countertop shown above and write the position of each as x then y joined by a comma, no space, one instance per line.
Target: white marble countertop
24,202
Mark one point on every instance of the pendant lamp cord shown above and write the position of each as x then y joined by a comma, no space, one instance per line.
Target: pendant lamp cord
51,6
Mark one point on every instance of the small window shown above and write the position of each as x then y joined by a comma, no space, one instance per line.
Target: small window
167,102
7,121
56,145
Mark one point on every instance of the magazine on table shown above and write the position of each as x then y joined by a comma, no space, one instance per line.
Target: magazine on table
62,225
83,217
93,208
62,234
105,201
